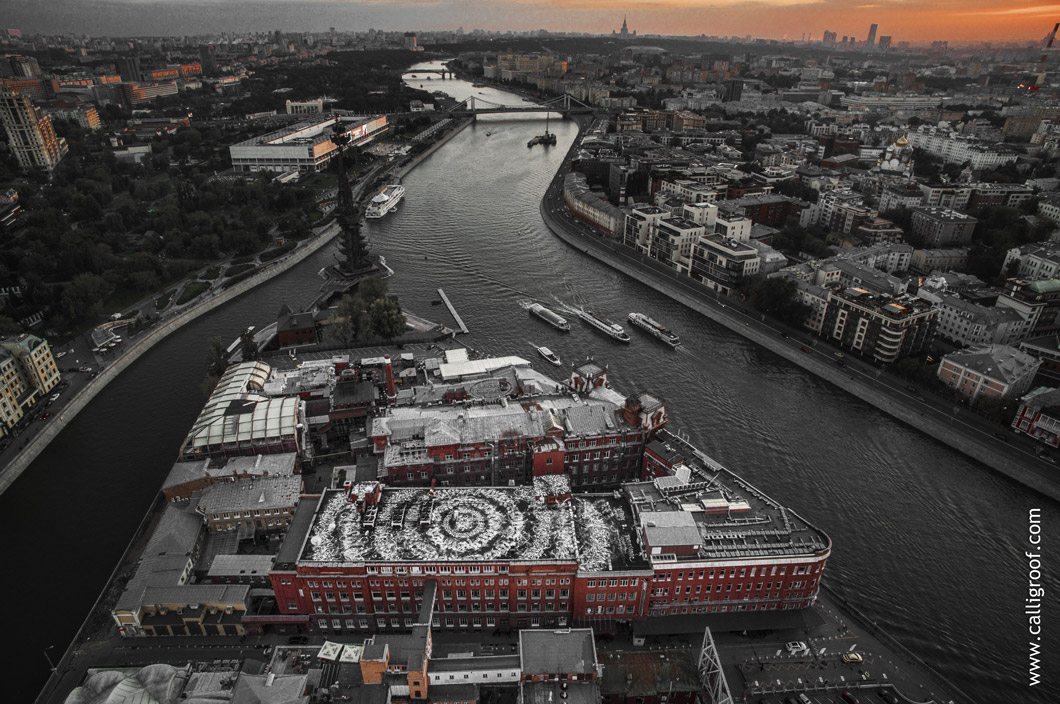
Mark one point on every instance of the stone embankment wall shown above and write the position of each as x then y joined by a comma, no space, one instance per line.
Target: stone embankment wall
143,344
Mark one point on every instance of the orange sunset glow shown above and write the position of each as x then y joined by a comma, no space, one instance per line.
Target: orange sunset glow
977,20
902,20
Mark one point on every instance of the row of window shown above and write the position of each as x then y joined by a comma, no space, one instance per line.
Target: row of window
614,582
408,621
503,581
248,514
774,570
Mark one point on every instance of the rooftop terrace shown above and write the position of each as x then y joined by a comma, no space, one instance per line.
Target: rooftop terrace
715,510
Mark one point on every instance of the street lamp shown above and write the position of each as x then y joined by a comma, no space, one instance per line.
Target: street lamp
46,657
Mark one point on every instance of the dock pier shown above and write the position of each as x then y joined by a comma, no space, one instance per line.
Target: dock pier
452,310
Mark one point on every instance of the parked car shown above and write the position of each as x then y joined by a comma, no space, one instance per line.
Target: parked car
805,349
852,657
55,397
796,646
46,415
85,370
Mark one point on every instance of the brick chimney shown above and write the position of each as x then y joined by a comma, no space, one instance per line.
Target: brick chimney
391,392
631,411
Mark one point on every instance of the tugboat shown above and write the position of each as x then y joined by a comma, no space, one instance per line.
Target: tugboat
655,328
549,355
549,317
604,325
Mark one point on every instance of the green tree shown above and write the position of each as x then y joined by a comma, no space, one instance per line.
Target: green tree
82,296
371,289
385,319
248,346
8,326
349,320
216,361
777,296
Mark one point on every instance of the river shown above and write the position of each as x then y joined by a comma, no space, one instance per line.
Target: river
927,543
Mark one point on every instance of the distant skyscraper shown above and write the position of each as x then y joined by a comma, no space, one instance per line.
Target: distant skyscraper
871,41
29,132
885,42
129,68
208,60
733,90
625,29
829,38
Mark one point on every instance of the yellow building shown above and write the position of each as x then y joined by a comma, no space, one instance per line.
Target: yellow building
27,374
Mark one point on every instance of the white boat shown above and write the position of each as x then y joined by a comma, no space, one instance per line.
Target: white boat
604,325
655,328
549,355
385,201
549,317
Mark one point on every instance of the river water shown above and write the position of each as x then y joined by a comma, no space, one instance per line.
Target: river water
926,542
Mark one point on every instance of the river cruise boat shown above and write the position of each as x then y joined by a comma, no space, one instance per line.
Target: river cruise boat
604,325
386,201
655,328
549,317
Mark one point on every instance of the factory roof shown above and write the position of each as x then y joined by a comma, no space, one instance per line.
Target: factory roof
445,524
167,554
419,428
707,507
259,465
240,566
237,413
649,673
251,494
270,689
569,651
478,367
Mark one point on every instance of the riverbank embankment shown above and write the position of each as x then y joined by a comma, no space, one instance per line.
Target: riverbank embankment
956,428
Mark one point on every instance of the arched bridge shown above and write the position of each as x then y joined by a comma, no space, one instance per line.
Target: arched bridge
443,72
564,104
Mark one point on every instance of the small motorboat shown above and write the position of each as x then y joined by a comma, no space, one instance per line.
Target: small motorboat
549,355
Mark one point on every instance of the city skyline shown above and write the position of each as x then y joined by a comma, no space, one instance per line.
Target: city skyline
980,20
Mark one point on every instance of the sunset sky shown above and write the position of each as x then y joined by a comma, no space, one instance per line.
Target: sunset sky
904,20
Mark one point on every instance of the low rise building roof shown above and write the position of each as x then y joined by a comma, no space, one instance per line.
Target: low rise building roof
1003,363
570,651
166,557
282,464
240,566
251,494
